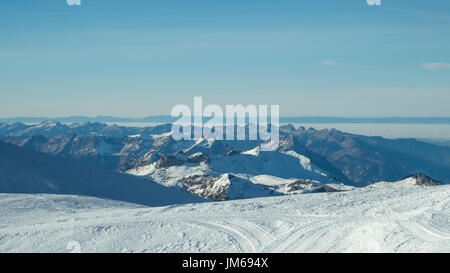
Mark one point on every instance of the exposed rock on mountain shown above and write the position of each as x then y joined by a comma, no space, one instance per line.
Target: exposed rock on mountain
415,180
224,187
423,180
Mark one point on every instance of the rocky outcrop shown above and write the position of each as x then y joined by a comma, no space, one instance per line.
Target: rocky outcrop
423,180
166,161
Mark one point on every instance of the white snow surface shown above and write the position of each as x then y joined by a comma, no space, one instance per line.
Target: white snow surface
401,219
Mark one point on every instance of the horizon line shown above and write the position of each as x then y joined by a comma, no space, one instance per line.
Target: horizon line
282,119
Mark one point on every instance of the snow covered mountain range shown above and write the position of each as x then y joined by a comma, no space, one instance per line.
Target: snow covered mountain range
51,204
306,161
59,188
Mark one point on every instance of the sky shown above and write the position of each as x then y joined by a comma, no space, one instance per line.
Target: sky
142,57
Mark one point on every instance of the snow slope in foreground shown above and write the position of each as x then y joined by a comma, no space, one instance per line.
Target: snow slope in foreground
377,220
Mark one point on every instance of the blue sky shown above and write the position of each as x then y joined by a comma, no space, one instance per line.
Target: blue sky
139,58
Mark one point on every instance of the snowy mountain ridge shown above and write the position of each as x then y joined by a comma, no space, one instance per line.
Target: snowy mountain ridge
306,161
200,171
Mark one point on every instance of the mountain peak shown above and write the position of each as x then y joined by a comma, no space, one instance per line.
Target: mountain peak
424,180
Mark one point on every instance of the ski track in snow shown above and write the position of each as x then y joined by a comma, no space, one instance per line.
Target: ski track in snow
378,220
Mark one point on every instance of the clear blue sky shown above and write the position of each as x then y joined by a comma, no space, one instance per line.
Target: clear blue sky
141,57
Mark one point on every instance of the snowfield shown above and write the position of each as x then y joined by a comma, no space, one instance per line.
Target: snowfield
386,219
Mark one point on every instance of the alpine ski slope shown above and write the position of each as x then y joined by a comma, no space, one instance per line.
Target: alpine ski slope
385,219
